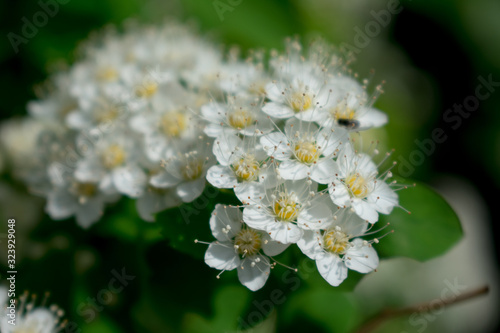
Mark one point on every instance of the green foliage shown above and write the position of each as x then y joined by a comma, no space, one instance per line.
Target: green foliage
430,230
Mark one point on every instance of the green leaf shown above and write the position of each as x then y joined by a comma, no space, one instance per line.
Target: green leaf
430,230
229,303
123,221
333,310
102,325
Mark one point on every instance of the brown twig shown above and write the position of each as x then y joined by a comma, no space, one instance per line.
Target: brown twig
386,314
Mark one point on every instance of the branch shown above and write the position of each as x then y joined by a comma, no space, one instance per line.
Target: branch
387,314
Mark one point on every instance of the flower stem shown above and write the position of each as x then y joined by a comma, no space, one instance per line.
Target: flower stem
387,314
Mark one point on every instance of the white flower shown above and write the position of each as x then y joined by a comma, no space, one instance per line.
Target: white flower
146,87
83,200
286,210
100,111
186,171
103,72
304,150
350,106
239,114
301,97
357,184
169,125
338,249
241,247
112,160
242,167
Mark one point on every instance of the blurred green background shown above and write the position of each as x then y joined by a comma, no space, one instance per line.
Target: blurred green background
430,54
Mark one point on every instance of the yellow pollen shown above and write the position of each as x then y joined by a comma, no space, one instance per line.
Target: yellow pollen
173,123
286,208
192,170
300,101
357,185
240,119
307,152
248,242
246,169
105,115
107,74
146,90
343,112
113,156
85,189
335,241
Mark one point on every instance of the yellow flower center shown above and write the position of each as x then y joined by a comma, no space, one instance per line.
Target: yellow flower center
358,186
342,112
307,152
107,74
300,101
146,90
240,119
173,123
192,170
335,241
113,156
246,168
86,190
248,242
286,208
105,115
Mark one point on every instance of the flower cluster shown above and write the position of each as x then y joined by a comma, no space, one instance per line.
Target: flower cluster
286,151
157,113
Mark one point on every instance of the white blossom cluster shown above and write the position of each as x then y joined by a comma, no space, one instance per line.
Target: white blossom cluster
157,113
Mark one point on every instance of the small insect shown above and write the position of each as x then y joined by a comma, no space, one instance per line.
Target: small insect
348,123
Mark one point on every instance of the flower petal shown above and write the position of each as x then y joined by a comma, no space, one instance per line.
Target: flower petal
278,110
309,244
360,257
164,180
228,218
272,248
250,192
324,171
89,212
276,144
371,117
130,180
284,232
293,170
254,272
222,256
365,210
332,269
225,146
189,191
221,177
257,217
